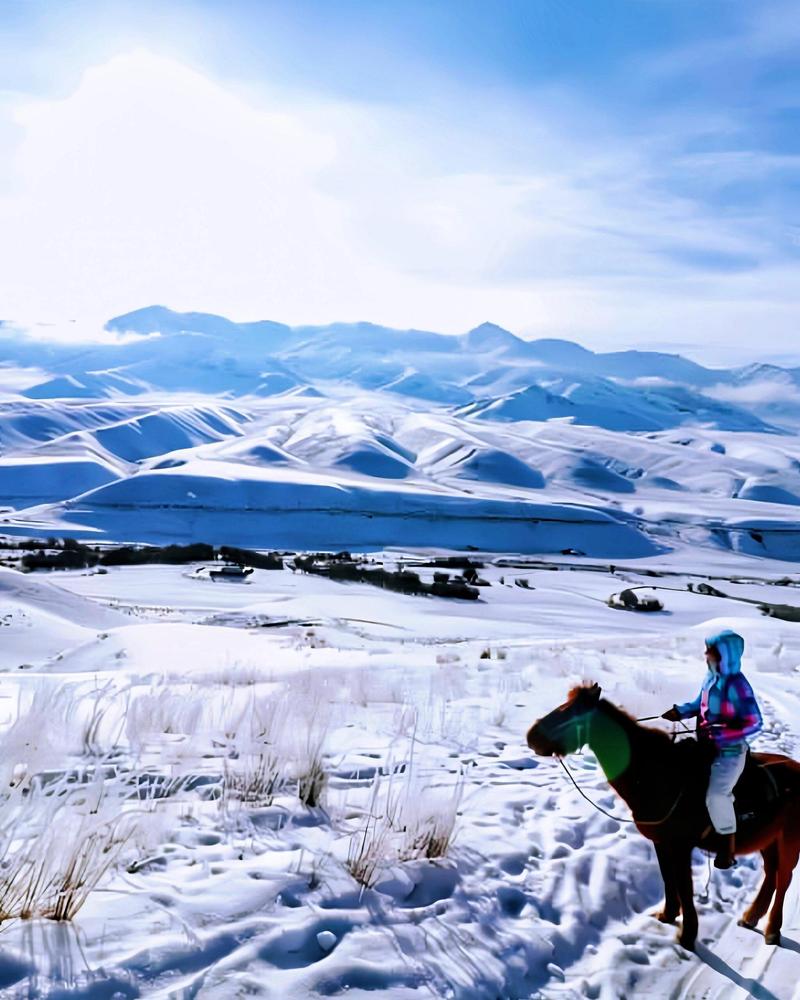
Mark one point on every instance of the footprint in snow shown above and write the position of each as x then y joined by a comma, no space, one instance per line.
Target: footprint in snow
512,900
514,864
302,946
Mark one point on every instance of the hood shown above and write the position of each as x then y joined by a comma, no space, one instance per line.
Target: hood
731,646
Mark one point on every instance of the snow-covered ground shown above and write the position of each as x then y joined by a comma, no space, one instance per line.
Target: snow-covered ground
159,730
291,787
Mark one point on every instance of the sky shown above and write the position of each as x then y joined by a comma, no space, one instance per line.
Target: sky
618,173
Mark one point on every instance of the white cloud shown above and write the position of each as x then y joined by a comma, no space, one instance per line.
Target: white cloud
779,390
153,183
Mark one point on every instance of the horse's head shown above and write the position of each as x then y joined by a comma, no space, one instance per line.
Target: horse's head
566,728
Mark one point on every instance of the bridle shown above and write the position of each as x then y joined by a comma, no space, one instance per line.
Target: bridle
584,720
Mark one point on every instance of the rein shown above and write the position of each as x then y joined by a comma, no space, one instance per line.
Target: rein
622,819
605,812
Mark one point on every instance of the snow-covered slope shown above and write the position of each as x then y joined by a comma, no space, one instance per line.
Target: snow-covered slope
396,431
278,507
183,729
402,466
39,619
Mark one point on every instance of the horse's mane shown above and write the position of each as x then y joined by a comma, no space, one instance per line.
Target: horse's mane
621,716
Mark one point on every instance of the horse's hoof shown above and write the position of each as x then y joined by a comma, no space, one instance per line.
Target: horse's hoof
746,923
686,942
666,918
774,938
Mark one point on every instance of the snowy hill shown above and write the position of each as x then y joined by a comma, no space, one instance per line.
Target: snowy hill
377,436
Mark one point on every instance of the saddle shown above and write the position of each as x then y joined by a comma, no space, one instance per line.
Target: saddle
756,793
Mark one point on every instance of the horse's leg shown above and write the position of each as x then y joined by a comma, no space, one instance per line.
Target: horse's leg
682,860
760,904
788,851
672,904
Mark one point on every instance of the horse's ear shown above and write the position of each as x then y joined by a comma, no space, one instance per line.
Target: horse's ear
594,692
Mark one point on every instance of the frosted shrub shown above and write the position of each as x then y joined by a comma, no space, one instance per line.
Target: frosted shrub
311,717
81,860
253,779
406,820
497,710
273,741
39,736
237,674
646,681
312,782
501,690
428,820
55,852
369,848
311,774
460,726
244,718
366,686
256,765
161,712
103,704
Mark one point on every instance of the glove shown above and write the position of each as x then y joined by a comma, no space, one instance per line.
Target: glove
672,714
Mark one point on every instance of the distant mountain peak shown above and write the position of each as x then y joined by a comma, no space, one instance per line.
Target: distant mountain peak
489,336
161,319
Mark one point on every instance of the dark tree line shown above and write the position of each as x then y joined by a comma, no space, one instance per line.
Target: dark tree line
346,570
71,554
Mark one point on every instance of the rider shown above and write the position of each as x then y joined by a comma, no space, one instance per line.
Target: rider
727,713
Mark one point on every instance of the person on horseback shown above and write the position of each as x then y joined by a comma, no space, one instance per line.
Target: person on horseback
727,714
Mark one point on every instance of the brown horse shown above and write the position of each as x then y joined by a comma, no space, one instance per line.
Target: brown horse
664,785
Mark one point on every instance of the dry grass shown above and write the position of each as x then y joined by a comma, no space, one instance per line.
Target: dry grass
430,818
253,779
51,872
407,820
312,781
256,766
369,849
161,712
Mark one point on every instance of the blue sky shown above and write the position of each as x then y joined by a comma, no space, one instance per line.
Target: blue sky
621,173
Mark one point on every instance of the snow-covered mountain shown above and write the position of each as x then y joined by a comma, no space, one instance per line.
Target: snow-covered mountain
354,435
200,352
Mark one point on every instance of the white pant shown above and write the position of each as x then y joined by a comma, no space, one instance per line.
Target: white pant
725,772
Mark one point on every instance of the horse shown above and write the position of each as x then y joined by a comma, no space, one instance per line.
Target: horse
664,785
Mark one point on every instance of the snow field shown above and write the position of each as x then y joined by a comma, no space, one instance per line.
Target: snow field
167,759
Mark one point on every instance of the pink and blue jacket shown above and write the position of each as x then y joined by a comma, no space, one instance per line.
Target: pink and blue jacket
726,708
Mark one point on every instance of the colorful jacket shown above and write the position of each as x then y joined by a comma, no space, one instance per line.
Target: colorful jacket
726,707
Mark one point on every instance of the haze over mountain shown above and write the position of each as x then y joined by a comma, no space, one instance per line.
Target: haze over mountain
361,435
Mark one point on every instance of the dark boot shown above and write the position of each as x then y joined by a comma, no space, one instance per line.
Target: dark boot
725,855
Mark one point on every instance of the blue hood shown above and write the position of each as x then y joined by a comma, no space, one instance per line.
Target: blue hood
731,646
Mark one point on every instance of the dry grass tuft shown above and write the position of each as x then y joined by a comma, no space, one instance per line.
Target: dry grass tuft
407,820
253,779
